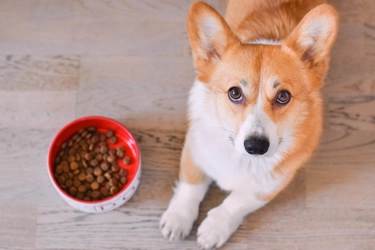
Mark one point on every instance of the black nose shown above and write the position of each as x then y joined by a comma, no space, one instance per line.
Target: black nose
256,145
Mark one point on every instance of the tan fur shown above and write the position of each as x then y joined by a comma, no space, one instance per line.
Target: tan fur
244,135
189,172
269,19
299,69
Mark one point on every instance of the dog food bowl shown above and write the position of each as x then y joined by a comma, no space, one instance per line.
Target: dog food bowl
124,138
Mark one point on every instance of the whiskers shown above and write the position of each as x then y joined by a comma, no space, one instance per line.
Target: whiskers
231,139
226,130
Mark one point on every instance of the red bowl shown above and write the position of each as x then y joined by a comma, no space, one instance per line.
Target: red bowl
124,138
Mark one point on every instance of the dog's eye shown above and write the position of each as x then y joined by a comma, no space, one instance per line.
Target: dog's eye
235,94
283,97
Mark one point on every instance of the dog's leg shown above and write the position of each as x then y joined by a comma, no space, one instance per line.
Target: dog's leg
182,211
223,220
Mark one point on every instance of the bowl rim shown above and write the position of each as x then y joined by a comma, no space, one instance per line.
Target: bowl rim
59,133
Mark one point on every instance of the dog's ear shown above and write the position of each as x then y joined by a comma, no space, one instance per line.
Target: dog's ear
209,35
314,36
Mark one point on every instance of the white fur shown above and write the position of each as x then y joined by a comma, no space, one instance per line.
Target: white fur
223,220
209,27
178,219
317,28
265,42
246,177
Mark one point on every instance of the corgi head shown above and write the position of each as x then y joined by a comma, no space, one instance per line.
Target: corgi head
267,96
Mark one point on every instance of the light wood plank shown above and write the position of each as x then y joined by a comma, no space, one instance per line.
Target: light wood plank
24,180
342,173
52,109
119,229
38,92
17,226
360,11
122,88
33,73
349,90
336,229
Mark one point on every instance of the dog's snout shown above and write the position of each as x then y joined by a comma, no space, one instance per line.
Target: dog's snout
256,145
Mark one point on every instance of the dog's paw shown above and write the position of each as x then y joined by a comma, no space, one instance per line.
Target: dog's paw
175,226
214,230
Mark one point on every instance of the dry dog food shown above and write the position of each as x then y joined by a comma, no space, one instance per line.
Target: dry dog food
86,165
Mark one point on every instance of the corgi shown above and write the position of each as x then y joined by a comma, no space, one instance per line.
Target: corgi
255,108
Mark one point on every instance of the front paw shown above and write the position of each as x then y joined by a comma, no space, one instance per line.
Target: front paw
215,229
175,226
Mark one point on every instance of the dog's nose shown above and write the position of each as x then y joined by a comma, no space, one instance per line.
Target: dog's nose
256,145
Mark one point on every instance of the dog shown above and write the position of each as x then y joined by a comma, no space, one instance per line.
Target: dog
255,108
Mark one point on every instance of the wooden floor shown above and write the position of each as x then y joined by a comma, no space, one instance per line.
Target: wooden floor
129,60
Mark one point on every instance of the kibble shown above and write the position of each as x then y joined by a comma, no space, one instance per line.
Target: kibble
89,170
61,180
100,179
71,158
99,157
114,190
108,176
115,168
111,158
94,162
120,154
123,172
116,176
94,185
77,157
102,137
80,196
89,178
105,192
86,166
59,169
113,140
73,191
127,160
113,182
97,150
95,139
123,179
82,176
88,156
104,166
95,194
98,171
82,189
73,165
66,168
76,183
109,133
103,149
